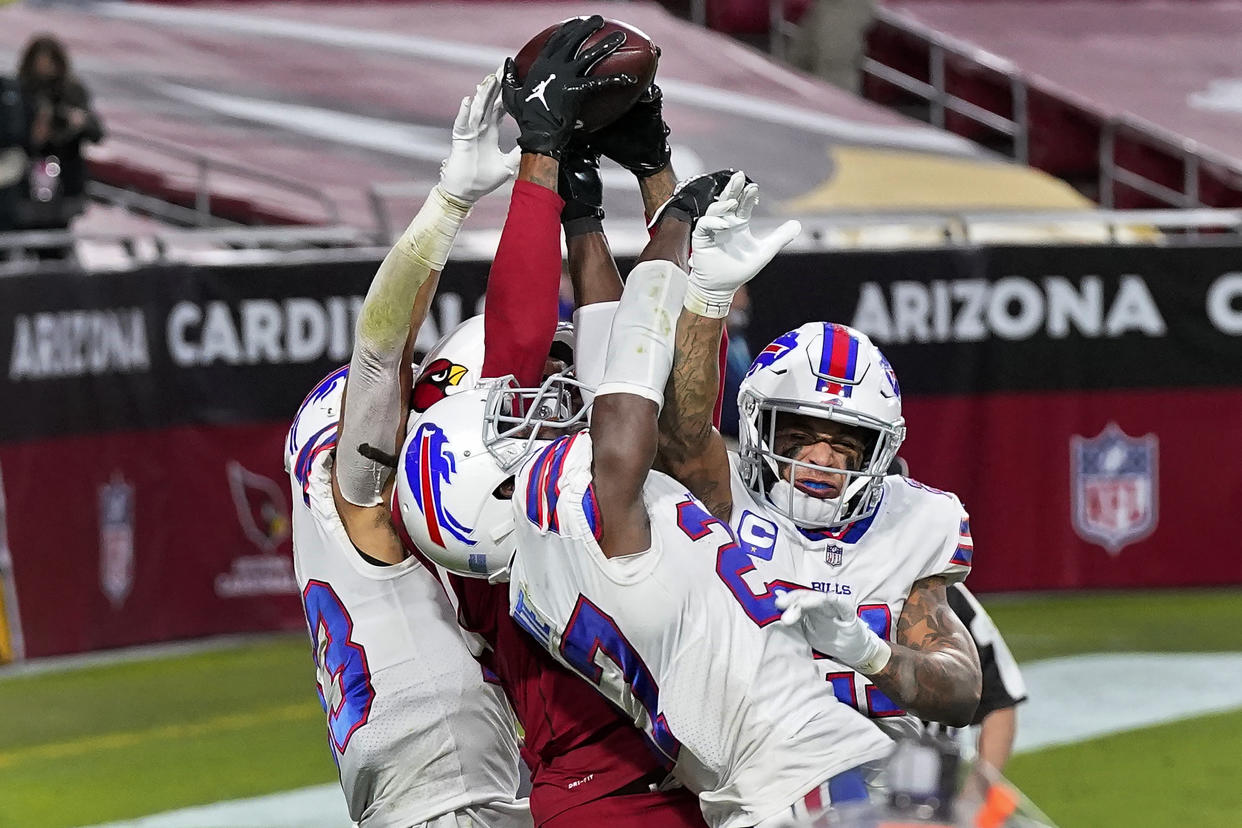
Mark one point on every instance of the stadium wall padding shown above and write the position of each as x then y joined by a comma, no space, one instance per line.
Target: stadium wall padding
1085,403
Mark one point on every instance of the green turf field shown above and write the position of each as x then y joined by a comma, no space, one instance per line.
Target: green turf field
131,739
104,743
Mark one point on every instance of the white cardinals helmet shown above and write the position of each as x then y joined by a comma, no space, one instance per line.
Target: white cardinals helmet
455,363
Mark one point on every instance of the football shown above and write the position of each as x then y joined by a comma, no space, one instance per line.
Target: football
637,56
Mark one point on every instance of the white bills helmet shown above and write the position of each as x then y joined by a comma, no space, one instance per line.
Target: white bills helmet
455,470
835,373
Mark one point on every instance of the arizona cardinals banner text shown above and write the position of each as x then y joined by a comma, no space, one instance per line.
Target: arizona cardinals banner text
1083,401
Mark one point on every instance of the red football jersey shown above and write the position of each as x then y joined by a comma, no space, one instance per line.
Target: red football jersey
579,747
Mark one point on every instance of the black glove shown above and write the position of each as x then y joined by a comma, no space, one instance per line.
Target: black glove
579,185
546,104
638,140
693,196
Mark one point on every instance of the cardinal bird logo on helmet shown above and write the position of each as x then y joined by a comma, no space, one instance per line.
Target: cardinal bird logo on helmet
434,383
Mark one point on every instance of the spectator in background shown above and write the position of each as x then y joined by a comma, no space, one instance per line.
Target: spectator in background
12,152
829,40
59,119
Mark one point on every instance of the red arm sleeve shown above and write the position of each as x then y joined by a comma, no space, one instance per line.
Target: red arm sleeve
520,310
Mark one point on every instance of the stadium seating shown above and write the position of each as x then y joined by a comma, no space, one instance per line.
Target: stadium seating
1136,134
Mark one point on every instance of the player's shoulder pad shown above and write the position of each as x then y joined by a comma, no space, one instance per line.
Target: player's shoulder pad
911,500
912,497
743,497
317,417
940,515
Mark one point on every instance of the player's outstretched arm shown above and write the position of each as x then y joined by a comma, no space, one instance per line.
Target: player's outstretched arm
373,422
932,669
638,141
521,306
592,270
624,419
726,256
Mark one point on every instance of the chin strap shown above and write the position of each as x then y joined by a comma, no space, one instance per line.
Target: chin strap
819,512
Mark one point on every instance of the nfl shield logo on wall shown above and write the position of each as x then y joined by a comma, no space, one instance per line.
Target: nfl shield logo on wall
116,539
832,554
1114,487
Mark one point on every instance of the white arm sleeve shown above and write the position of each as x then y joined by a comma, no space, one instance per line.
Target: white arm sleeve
373,408
640,349
592,327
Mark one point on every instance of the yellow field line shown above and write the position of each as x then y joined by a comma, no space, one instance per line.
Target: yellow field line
130,738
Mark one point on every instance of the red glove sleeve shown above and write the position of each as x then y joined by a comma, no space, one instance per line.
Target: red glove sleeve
520,309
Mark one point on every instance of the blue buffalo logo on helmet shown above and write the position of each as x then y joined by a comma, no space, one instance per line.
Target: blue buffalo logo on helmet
780,346
428,466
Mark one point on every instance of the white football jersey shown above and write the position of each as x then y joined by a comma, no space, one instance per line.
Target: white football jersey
915,532
675,638
415,730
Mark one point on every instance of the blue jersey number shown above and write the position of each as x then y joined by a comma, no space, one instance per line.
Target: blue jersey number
343,678
590,630
735,560
877,705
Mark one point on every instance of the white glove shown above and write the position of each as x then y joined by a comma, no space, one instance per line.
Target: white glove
475,165
832,626
725,254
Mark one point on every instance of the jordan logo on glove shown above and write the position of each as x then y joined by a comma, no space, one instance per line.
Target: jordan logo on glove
537,92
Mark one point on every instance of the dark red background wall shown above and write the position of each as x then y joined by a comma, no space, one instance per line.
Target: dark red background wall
149,503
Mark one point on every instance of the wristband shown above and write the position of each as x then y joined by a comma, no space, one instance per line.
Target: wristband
666,211
877,659
431,234
582,225
712,304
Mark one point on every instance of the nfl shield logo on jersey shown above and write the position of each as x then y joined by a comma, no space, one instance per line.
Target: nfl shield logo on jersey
116,539
832,554
1114,487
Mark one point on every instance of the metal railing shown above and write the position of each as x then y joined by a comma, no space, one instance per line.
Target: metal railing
379,196
957,228
934,92
39,250
27,251
205,168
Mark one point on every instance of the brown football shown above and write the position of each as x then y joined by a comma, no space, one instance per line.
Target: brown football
637,56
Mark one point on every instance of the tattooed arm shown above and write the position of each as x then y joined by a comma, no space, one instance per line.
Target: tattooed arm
934,668
691,449
726,256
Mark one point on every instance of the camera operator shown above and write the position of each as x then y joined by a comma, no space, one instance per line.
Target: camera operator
59,118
